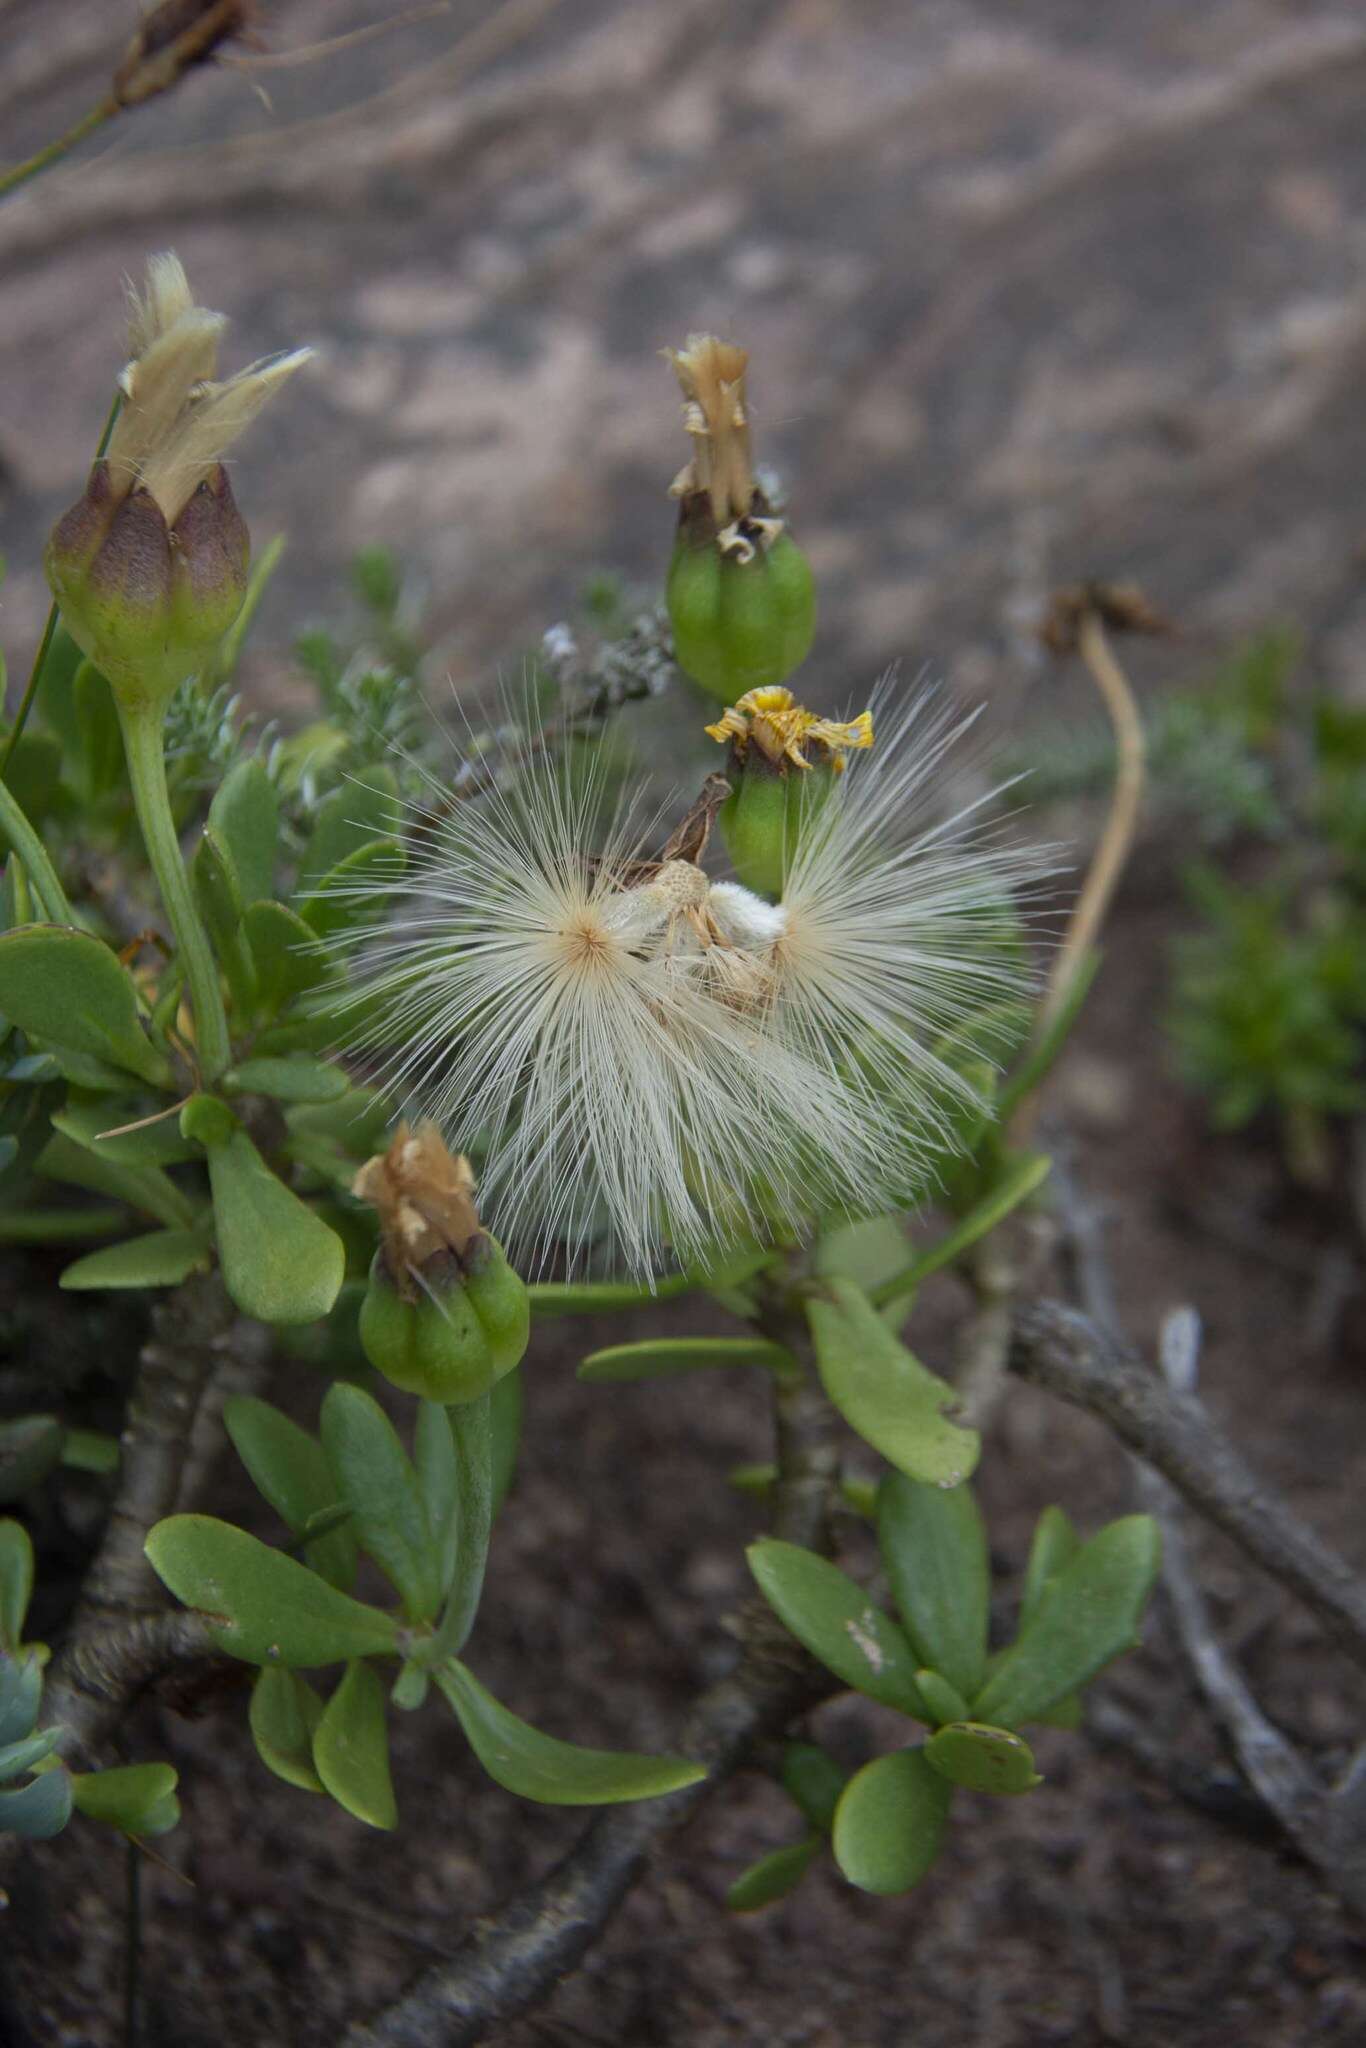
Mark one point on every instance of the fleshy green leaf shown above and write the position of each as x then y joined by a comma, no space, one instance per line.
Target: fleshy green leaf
657,1358
870,1253
471,1424
32,774
982,1758
38,1810
884,1393
96,1126
285,1712
21,1693
438,1481
290,1468
835,1620
90,1450
138,1799
218,893
354,892
773,1876
16,1581
18,1757
1089,1613
280,1262
934,1548
349,819
68,989
162,1258
292,1078
245,815
535,1766
145,1187
30,1448
266,1608
944,1701
890,1822
284,952
351,1748
815,1781
375,1478
97,721
206,1120
1055,1545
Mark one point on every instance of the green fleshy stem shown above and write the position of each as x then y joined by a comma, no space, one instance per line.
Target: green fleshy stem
142,744
15,826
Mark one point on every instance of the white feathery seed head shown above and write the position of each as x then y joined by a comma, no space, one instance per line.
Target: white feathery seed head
663,1063
900,933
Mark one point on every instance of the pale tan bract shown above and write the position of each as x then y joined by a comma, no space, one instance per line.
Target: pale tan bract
176,422
712,374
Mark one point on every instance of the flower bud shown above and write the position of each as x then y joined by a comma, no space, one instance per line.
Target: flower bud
784,764
444,1315
149,567
146,601
740,594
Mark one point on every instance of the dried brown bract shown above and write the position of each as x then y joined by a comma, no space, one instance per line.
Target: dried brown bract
175,37
1121,607
425,1197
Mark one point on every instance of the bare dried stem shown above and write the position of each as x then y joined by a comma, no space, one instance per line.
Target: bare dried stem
1116,841
1058,1348
121,1635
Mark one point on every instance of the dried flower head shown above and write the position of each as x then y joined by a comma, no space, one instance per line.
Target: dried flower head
712,374
173,38
654,1058
424,1194
773,723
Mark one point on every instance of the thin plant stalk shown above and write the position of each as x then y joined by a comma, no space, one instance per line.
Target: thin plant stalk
24,840
1116,841
142,742
53,152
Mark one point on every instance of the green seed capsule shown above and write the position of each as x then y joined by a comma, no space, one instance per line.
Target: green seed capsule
762,823
500,1301
740,625
451,1344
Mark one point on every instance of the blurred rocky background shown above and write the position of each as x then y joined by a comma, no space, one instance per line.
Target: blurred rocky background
1031,291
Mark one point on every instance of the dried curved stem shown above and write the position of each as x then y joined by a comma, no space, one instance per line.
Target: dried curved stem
1116,841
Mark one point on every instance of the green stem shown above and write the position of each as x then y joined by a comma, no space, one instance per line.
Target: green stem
472,1428
40,659
53,152
15,826
142,743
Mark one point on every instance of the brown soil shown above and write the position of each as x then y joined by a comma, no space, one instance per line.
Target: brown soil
1029,296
